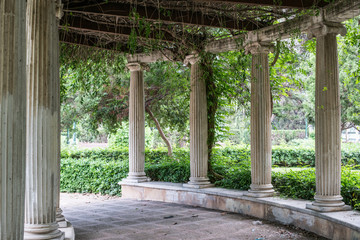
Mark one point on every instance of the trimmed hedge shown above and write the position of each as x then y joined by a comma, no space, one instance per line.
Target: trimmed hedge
100,171
176,172
87,175
122,154
285,156
92,176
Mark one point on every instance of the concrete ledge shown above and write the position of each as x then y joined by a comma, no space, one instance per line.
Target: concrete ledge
333,225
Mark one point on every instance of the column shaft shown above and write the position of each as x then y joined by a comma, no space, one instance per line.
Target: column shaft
60,219
42,141
260,124
327,128
198,128
12,118
136,125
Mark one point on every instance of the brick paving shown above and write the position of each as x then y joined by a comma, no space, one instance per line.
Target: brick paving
109,218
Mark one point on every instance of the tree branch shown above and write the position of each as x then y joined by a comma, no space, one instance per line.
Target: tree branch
158,127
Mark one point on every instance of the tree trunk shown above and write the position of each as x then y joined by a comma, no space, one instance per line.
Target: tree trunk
158,127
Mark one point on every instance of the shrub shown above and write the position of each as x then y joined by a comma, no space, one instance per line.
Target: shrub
287,156
293,156
101,170
279,136
350,187
92,176
176,172
295,184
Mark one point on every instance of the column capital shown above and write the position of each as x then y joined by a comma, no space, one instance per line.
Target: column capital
59,9
259,47
323,28
192,58
137,66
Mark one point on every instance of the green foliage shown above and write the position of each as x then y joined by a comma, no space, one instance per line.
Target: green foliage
292,156
349,69
92,176
301,184
121,137
122,154
281,136
286,156
227,86
350,187
171,171
235,169
168,95
100,171
295,184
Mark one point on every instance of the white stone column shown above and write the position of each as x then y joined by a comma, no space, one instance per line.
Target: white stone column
12,118
198,127
60,219
260,122
327,120
42,140
136,125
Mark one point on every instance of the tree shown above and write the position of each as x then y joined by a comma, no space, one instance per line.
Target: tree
349,69
96,88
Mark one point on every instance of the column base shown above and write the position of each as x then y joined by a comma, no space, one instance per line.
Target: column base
60,219
198,182
260,191
43,232
69,231
135,178
328,204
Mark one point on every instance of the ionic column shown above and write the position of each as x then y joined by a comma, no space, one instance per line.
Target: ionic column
12,118
260,122
42,140
198,127
136,125
327,120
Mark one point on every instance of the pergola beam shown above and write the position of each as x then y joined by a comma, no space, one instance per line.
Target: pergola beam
342,10
78,23
152,57
167,16
272,3
90,41
336,12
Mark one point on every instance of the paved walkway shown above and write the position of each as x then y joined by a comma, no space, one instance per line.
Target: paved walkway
112,218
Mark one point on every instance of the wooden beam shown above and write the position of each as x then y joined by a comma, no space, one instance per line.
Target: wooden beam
301,4
78,23
89,41
167,16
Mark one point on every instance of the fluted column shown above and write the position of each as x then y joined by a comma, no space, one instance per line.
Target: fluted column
198,127
42,140
136,125
327,120
12,118
60,219
260,122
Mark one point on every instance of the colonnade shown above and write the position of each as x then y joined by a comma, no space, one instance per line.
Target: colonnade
328,131
29,120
